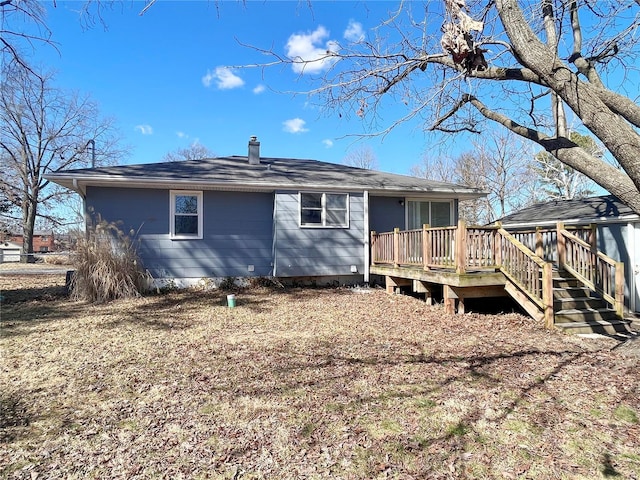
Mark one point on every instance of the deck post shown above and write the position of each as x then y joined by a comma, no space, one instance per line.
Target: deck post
547,294
461,247
619,289
539,243
497,247
450,298
593,254
396,246
562,246
426,246
374,255
593,237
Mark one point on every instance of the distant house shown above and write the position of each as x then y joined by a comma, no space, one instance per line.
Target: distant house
245,216
43,241
618,231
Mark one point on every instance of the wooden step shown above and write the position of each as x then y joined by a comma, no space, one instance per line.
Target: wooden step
573,315
577,303
572,292
611,327
565,283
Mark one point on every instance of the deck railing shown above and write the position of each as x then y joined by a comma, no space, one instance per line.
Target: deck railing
593,268
463,248
525,257
529,272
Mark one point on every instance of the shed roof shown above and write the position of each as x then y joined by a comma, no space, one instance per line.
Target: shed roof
605,208
236,173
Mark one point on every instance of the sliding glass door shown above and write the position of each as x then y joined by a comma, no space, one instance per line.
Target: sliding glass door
435,214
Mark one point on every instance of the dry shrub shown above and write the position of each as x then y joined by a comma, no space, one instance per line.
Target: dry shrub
107,267
57,259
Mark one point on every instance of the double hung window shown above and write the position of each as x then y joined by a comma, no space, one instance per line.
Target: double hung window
186,214
324,210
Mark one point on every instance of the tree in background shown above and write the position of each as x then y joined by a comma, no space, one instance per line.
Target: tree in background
361,157
43,129
23,23
526,66
439,168
447,62
559,181
498,165
195,151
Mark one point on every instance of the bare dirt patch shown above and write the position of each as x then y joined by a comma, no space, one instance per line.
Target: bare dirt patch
304,383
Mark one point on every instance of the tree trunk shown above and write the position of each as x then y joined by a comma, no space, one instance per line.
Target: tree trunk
584,99
29,221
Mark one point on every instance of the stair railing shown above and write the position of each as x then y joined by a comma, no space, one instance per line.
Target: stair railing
530,273
593,268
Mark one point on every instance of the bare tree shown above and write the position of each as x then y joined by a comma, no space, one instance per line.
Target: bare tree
195,151
545,56
43,129
23,23
361,157
441,169
559,181
496,165
502,164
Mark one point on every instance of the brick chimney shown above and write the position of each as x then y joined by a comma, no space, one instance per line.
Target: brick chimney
254,151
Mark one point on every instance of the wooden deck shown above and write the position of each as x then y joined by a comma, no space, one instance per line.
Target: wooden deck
472,262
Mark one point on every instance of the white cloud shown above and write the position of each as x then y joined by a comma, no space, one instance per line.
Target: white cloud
224,77
309,51
144,129
182,135
294,125
327,142
259,89
354,32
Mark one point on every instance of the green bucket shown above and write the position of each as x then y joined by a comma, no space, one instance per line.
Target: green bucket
231,301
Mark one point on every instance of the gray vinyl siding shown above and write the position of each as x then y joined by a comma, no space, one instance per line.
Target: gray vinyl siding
317,251
237,231
612,241
386,213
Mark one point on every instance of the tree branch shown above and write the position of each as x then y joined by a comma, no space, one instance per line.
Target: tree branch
569,153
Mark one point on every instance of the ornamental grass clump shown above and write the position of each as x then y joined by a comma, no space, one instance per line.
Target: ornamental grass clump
107,267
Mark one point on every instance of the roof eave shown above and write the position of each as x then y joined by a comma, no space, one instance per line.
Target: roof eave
631,217
75,181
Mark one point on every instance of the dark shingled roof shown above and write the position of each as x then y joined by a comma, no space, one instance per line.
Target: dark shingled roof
583,210
271,173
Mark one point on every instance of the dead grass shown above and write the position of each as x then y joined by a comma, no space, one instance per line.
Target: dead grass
304,383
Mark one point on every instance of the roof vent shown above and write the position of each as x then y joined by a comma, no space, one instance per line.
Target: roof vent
254,151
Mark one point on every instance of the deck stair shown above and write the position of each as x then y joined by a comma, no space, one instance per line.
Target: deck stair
579,310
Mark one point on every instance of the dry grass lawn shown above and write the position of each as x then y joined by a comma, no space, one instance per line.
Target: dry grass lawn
303,384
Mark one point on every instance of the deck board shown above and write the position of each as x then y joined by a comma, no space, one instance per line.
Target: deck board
442,277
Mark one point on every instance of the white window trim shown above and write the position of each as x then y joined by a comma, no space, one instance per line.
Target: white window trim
324,211
172,214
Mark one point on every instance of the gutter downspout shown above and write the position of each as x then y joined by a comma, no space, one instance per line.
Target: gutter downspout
367,237
274,241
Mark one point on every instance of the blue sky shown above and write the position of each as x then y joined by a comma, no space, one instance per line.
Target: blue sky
159,75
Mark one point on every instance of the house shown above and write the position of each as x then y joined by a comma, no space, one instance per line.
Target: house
43,241
247,216
618,231
10,251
